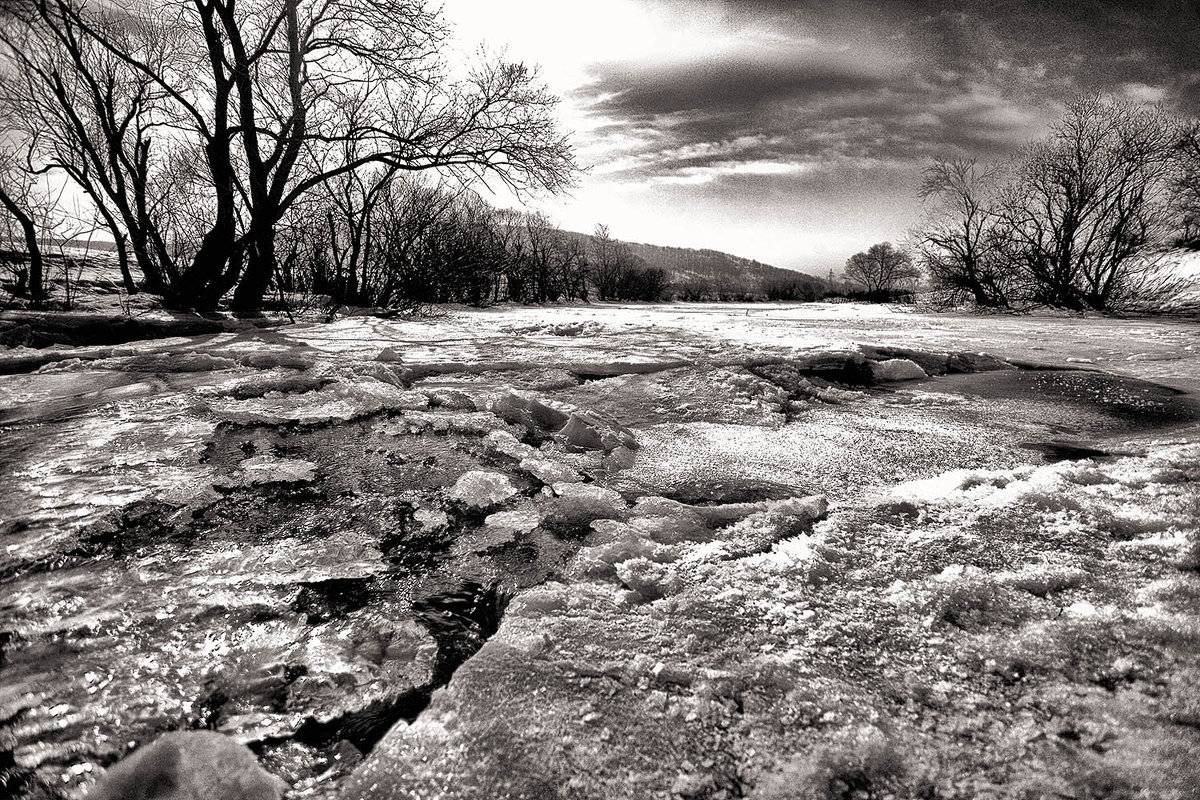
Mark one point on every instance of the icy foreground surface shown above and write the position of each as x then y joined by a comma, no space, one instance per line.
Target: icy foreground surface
707,552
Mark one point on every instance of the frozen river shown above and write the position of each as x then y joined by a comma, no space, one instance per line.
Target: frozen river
704,550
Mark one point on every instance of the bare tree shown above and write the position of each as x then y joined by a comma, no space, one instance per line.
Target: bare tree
1088,211
92,117
882,270
610,265
397,272
959,242
347,212
17,188
572,267
282,96
1187,186
605,262
538,242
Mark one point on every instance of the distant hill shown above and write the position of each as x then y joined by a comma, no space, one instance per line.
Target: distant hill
711,274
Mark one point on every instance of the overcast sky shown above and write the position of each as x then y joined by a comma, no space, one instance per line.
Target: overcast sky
796,132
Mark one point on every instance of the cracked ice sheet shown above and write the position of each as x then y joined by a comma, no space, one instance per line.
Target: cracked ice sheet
471,340
1155,350
828,451
1162,350
58,478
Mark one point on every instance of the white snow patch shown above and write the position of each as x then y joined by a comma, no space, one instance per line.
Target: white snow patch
789,552
957,572
1081,608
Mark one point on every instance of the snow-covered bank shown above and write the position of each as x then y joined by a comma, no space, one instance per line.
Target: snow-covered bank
296,535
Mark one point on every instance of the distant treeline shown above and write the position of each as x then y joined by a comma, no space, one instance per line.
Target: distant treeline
408,243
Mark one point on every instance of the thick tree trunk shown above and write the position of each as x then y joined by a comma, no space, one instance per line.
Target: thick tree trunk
260,268
982,298
212,271
37,283
217,264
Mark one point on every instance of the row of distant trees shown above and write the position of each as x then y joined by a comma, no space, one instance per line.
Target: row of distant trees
405,243
1083,220
221,143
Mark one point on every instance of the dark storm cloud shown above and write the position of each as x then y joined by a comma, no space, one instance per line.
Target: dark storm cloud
830,88
1092,45
737,84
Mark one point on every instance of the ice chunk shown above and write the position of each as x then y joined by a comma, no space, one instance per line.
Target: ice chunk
672,529
586,432
577,502
389,354
550,472
336,403
186,361
384,373
521,520
580,435
474,423
193,495
451,400
190,764
505,443
480,489
431,519
620,458
262,383
270,359
601,560
261,470
650,580
896,369
528,411
499,529
631,366
482,540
